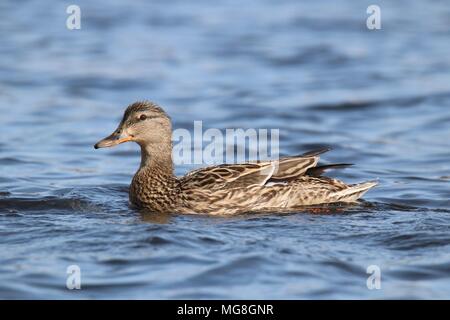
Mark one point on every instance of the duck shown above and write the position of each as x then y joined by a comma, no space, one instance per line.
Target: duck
281,185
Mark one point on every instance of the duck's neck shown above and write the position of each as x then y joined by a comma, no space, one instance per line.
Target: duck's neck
154,185
157,157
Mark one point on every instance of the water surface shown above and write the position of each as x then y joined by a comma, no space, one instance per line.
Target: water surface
381,99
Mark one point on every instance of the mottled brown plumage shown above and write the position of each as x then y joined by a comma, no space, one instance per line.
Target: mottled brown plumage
282,185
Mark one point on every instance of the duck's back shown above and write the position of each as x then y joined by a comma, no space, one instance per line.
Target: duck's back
283,184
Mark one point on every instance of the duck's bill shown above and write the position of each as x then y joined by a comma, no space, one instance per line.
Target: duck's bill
112,141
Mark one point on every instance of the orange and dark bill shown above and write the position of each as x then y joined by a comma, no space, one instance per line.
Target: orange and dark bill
113,140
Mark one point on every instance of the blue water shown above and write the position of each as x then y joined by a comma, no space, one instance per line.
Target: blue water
312,69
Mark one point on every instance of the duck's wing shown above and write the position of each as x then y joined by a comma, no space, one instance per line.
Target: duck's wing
229,176
250,174
295,166
319,170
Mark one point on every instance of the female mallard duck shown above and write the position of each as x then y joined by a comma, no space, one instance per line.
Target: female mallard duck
279,185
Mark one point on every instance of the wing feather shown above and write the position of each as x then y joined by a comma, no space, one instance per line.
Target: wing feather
229,176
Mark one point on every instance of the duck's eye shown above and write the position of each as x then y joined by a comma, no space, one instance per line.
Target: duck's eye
142,117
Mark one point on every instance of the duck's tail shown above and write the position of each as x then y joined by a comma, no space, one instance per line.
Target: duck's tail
354,191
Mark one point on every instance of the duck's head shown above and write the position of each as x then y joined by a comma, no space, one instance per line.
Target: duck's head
144,123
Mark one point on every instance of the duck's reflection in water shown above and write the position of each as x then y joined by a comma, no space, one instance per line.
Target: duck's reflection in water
155,217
